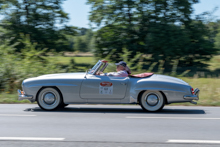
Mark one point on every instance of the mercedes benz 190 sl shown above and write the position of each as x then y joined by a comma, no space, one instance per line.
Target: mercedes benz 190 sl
150,91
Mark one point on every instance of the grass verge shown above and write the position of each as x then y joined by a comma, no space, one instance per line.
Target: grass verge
78,60
209,91
6,98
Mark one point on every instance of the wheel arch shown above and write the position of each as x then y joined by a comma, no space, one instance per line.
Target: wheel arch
55,87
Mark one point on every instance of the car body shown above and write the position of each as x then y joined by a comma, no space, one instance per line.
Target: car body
152,92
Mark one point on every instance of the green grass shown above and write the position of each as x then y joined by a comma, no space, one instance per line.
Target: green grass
209,91
6,98
78,60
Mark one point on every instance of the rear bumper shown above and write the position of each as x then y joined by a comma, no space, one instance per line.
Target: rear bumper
24,96
195,96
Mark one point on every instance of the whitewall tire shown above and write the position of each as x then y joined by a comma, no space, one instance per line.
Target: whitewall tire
49,99
152,101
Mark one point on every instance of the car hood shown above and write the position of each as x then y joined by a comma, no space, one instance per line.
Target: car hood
63,76
60,76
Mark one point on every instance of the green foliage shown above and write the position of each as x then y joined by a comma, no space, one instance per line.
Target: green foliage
161,28
160,67
7,68
89,39
39,19
216,33
72,66
14,67
79,44
84,42
134,63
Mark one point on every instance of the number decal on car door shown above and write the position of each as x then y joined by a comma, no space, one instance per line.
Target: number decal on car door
105,88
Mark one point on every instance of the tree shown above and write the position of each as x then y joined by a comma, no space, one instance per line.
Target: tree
215,27
89,40
39,19
217,40
162,28
84,41
79,44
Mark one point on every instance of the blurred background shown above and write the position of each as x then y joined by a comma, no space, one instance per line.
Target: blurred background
179,38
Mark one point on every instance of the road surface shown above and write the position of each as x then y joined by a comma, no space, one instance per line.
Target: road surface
27,125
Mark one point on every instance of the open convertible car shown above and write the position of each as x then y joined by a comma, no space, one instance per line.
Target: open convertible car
151,91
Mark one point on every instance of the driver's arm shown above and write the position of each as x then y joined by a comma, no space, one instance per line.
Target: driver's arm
99,73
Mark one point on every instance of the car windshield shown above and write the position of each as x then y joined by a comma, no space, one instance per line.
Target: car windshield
94,69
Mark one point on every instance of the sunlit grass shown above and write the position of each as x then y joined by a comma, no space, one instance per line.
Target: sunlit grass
78,60
6,98
209,90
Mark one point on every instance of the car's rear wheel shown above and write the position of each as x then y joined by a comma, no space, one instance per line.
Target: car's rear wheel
49,99
152,101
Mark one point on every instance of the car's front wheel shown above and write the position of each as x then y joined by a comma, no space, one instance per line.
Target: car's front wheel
152,101
49,99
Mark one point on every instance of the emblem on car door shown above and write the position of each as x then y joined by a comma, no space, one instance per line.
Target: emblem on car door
106,84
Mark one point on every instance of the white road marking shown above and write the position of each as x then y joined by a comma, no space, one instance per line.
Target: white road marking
15,115
173,118
31,138
194,141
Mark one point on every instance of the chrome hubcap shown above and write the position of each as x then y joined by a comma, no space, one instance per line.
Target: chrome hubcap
49,98
152,100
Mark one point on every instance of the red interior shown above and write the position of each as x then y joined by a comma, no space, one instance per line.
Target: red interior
142,75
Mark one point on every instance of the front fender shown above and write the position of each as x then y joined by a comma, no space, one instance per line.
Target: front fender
69,88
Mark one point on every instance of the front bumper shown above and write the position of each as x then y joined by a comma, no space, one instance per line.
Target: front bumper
22,96
195,96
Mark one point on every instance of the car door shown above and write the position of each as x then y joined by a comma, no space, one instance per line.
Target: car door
103,87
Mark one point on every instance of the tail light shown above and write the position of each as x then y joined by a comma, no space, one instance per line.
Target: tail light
192,90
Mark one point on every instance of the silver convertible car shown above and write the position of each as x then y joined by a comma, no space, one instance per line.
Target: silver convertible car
151,91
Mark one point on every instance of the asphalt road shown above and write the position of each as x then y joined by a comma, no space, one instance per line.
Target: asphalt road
27,125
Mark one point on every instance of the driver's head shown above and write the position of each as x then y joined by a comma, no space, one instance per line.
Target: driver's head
121,65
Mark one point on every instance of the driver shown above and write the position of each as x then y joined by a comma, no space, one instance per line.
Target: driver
122,70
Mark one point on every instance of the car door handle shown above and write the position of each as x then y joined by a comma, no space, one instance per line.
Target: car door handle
123,83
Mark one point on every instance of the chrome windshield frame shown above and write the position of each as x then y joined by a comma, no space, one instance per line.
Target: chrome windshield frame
97,66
